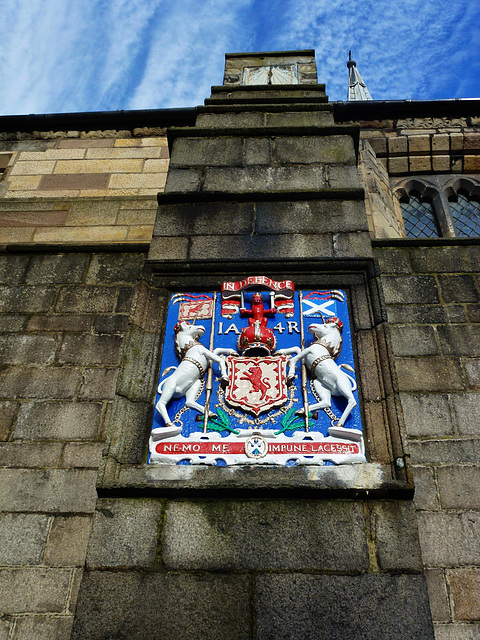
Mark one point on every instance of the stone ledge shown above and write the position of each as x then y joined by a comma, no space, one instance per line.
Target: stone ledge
260,196
364,480
198,132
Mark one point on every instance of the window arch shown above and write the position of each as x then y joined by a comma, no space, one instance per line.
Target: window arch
416,200
440,206
464,200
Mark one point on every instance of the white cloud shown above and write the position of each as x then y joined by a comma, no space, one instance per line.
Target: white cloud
80,55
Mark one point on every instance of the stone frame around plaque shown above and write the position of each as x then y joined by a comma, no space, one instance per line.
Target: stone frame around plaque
125,462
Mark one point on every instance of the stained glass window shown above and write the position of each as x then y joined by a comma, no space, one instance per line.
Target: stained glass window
419,218
466,216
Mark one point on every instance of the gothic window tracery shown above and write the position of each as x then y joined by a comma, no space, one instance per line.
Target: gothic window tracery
440,206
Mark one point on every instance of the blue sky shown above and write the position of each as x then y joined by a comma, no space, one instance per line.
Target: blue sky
95,55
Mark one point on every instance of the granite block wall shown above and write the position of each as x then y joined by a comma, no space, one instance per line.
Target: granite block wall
63,317
432,296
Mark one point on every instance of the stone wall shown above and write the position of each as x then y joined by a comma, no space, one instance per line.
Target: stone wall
96,186
63,317
412,147
257,568
432,296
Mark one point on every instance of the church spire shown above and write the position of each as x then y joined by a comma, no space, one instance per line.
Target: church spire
357,89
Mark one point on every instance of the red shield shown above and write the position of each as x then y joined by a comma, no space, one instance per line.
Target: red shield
257,385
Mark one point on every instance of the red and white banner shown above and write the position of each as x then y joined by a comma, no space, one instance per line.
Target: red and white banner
279,446
231,293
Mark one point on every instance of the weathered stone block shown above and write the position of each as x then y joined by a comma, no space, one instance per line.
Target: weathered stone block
410,290
416,340
98,383
472,369
198,152
82,455
429,374
48,490
27,349
204,219
425,497
458,288
426,314
397,145
34,589
138,369
437,594
21,299
181,180
262,247
128,445
398,165
12,323
125,299
227,120
445,259
13,268
66,268
89,349
313,149
465,593
97,166
371,381
457,631
257,151
300,119
43,627
133,606
8,413
460,340
458,487
110,324
87,299
58,421
427,415
449,539
22,538
30,455
67,541
441,163
341,607
342,177
168,248
59,323
465,406
396,536
116,268
39,382
393,260
315,216
124,533
444,452
255,178
245,536
5,628
419,144
440,142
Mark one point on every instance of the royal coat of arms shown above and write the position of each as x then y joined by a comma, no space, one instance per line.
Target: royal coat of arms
257,373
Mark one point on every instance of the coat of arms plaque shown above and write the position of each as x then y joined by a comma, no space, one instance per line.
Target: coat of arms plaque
257,373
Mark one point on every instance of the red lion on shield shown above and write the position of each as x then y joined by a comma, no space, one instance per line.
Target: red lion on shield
254,376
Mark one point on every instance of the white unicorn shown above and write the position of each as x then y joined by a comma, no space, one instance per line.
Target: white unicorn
327,377
186,380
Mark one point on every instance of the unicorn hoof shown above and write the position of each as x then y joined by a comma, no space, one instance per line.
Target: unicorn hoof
167,431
